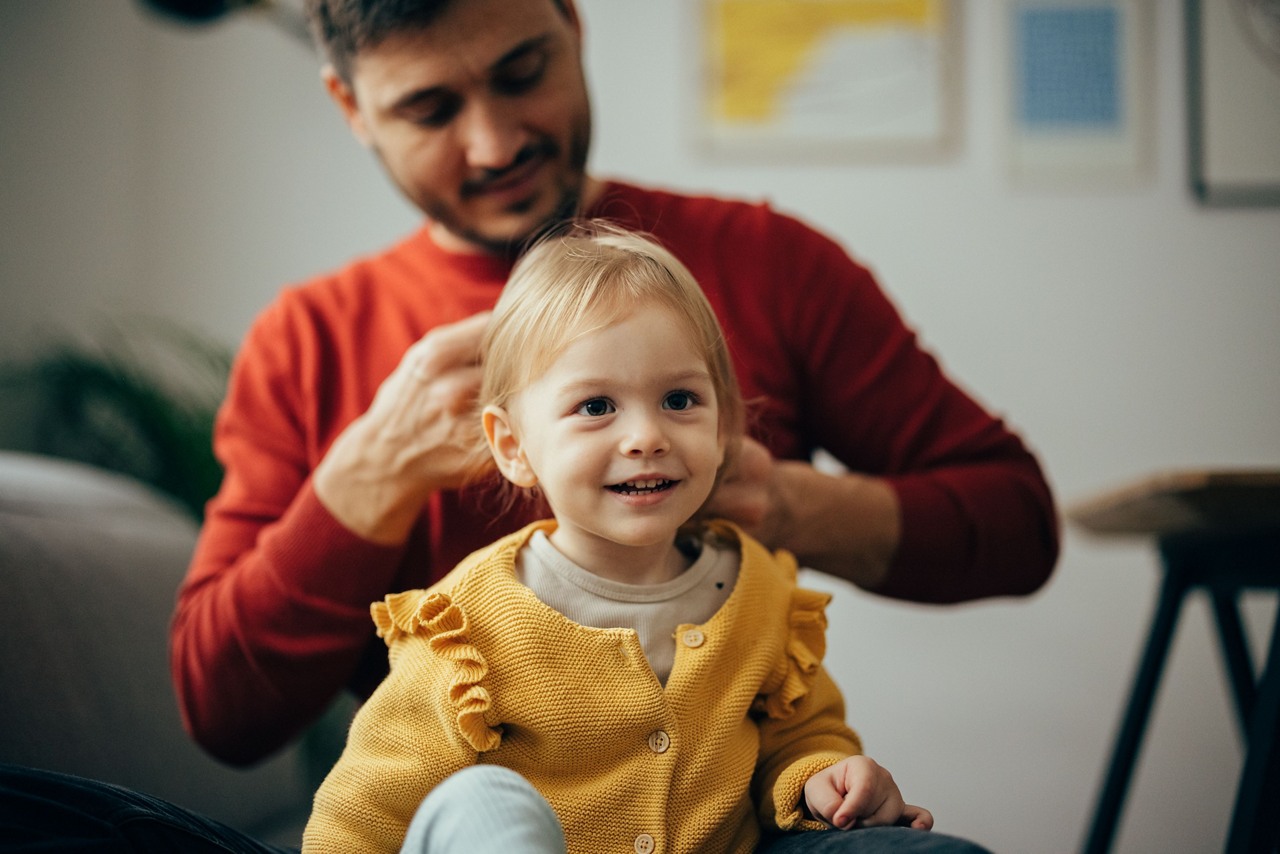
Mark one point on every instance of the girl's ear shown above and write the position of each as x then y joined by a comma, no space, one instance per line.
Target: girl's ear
499,430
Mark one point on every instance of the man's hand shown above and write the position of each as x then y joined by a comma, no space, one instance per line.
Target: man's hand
413,440
845,525
749,493
856,792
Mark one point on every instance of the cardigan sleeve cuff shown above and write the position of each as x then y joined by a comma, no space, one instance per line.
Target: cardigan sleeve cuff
317,557
787,794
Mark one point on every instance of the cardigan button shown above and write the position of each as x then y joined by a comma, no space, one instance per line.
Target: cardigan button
659,741
644,844
694,638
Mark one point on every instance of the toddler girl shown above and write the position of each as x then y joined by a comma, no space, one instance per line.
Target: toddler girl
656,685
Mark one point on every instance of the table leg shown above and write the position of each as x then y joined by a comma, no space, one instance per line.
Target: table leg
1135,718
1235,652
1255,826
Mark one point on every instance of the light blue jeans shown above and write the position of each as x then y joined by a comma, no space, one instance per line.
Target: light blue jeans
487,809
484,809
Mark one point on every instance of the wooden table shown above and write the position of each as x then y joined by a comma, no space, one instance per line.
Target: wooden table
1217,530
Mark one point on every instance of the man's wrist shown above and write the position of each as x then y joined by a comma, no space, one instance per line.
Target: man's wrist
846,525
367,498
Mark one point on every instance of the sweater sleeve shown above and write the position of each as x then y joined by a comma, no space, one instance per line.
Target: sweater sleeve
978,517
801,723
273,616
403,743
794,748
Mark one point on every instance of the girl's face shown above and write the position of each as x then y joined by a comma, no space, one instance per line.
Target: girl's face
621,433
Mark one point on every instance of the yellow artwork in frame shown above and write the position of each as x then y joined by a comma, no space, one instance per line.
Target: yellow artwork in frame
856,79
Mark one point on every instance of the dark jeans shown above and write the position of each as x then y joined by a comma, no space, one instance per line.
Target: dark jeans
42,811
869,840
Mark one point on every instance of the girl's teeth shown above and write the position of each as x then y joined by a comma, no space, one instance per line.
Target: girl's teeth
645,484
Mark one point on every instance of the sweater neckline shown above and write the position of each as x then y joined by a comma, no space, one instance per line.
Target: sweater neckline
483,270
620,591
498,578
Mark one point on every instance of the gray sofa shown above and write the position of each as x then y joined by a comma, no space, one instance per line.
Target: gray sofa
89,565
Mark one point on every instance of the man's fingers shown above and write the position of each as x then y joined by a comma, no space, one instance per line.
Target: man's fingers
743,503
743,494
445,347
457,389
752,464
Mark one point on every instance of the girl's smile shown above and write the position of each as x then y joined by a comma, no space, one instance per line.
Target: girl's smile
622,435
643,487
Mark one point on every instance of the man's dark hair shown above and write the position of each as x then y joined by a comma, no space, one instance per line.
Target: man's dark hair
344,28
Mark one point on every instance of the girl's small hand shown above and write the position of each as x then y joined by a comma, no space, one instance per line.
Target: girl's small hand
856,792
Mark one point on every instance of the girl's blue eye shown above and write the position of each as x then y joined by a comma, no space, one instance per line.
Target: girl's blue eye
595,407
679,400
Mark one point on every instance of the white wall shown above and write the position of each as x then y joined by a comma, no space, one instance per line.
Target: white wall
190,174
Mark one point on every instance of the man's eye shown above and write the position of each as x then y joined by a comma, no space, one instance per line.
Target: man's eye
679,400
520,75
436,112
595,407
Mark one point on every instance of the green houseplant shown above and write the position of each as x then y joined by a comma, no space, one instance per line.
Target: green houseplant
140,401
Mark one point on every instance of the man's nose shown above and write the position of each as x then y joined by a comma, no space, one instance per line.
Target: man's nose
645,437
492,134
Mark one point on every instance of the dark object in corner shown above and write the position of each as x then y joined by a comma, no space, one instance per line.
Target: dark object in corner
195,11
288,18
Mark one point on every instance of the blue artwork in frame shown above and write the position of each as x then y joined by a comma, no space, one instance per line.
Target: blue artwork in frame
1079,108
1068,67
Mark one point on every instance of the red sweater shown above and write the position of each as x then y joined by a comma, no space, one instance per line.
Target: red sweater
273,618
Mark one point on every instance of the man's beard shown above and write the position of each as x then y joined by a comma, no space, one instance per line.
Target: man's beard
567,206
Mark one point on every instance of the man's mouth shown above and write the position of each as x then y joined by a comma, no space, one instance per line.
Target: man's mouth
528,161
643,487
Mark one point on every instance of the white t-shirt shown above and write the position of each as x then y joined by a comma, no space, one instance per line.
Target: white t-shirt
653,611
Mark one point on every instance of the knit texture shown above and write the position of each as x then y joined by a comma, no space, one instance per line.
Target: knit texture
653,611
482,671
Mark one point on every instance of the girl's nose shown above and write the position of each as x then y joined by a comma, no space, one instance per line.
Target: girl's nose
646,438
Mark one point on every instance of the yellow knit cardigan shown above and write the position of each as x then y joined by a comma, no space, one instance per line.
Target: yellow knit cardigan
482,671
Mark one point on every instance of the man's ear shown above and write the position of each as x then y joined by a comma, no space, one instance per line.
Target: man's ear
499,430
570,11
345,97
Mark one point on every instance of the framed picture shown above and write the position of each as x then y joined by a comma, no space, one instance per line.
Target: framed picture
841,80
1233,101
1079,96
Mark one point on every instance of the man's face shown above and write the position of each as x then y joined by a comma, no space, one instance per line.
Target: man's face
481,118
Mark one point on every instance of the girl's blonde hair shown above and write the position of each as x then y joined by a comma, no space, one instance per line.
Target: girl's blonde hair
580,280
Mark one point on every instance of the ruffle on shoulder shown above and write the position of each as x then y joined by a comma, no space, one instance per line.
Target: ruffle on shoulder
806,645
436,617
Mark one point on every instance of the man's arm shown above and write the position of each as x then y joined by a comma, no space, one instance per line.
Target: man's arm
272,619
790,505
415,439
942,503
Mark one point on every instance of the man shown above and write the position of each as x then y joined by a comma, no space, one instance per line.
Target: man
346,420
344,429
